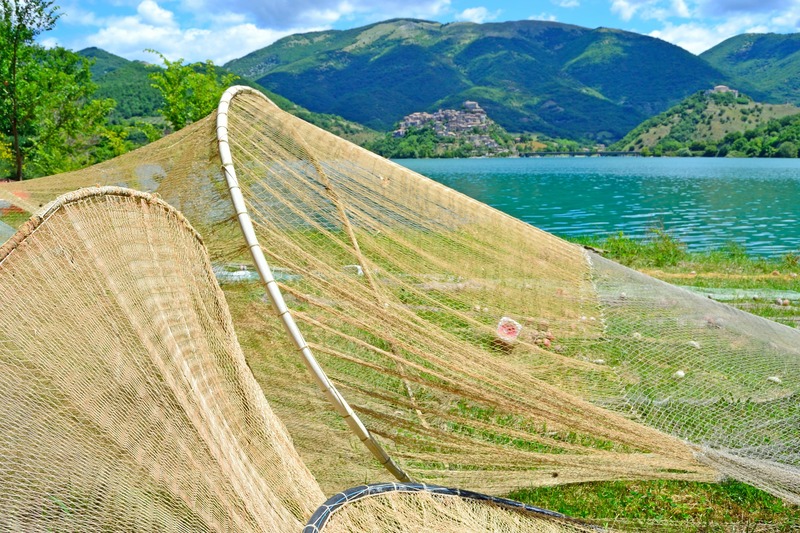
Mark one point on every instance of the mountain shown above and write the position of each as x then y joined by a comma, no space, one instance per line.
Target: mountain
703,120
529,76
766,63
126,82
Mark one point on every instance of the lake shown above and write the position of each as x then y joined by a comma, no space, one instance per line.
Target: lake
704,202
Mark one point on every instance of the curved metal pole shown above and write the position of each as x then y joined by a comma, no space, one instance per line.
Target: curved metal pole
276,297
320,518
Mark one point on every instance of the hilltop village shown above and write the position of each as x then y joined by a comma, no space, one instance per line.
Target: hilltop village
448,122
464,132
470,124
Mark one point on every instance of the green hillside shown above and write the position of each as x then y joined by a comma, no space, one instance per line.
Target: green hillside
529,76
776,138
701,122
126,82
765,65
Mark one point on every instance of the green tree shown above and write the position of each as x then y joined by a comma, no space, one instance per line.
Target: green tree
190,92
787,149
47,114
20,22
68,123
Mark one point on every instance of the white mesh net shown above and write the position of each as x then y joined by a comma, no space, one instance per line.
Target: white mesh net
478,351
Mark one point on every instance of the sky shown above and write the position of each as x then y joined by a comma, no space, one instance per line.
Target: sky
221,30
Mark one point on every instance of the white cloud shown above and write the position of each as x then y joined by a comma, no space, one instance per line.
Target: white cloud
788,20
129,37
243,39
219,36
49,42
680,9
723,20
544,16
692,37
280,14
567,3
779,15
626,9
651,9
698,38
151,13
478,15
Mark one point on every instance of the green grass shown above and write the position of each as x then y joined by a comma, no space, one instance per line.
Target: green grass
662,250
729,267
686,506
15,219
682,505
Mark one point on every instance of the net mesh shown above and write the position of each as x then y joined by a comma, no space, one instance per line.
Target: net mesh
134,410
723,379
125,401
481,352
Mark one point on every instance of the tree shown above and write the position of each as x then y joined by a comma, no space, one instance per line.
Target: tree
22,21
190,92
68,123
787,149
46,105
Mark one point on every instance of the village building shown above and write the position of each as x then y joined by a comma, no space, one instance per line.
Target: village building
724,89
468,124
448,122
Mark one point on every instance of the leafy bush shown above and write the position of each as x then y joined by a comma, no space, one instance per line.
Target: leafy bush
791,259
787,149
658,249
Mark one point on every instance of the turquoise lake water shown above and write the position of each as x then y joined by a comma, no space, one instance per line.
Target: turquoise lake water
705,203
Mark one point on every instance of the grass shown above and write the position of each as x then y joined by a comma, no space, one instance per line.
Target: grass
15,218
664,257
680,505
661,250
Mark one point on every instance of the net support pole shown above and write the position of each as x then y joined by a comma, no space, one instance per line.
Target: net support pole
276,297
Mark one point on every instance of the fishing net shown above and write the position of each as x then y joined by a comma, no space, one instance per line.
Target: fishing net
126,403
476,350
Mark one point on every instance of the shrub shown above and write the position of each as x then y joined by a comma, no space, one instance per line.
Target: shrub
787,149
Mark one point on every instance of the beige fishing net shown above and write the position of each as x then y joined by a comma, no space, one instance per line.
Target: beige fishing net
477,351
125,400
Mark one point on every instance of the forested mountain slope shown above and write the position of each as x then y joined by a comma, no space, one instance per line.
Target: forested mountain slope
766,65
703,121
547,77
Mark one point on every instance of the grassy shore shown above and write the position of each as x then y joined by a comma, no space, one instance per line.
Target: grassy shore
667,505
729,273
758,285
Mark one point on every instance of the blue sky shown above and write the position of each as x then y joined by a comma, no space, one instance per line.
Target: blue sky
197,30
